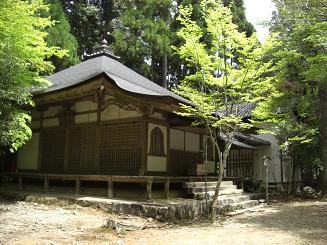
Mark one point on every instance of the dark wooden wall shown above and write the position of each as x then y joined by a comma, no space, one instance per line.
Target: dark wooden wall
184,162
92,148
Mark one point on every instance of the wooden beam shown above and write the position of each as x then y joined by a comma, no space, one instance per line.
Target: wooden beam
110,188
167,183
149,189
121,121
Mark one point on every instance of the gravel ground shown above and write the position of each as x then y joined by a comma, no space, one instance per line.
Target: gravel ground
303,222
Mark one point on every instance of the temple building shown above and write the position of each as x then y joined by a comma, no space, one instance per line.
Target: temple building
100,117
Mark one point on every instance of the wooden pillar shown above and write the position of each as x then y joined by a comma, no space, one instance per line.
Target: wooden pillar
110,188
20,182
77,186
144,164
40,146
167,183
67,146
100,98
97,151
99,109
149,189
168,164
46,184
239,169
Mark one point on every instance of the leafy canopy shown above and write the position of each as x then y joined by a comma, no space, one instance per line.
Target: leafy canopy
23,54
59,35
297,113
142,36
228,75
300,60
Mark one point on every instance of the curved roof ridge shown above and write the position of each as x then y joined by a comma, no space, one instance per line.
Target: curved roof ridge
123,76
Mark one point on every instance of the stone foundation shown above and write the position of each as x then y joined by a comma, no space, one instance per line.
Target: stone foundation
170,209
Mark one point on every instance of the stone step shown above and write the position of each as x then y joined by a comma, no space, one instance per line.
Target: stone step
256,208
222,209
228,192
210,188
227,200
210,183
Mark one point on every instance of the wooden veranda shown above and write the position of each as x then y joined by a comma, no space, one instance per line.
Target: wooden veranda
110,179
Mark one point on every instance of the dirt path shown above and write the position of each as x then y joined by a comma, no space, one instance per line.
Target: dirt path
287,223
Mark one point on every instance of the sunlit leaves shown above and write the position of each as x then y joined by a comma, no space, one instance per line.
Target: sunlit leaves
230,73
23,63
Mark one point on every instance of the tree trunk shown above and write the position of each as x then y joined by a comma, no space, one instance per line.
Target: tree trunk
322,105
215,197
164,71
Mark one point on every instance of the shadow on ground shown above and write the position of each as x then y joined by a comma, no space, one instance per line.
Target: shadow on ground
305,219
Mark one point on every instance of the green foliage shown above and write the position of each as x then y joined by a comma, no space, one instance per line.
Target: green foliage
296,112
239,18
91,21
85,21
22,65
177,70
300,61
228,73
142,36
59,35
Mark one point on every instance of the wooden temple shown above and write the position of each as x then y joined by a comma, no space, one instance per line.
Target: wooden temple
101,118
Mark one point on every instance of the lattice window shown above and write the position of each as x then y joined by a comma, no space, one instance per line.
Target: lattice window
52,150
120,135
75,148
239,163
88,148
121,148
82,149
157,142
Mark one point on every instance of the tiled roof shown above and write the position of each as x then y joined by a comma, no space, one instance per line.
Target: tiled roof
251,139
123,76
241,110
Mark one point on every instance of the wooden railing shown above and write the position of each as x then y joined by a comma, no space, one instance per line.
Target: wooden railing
110,179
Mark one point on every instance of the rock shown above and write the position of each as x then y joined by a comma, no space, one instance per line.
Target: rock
163,212
308,192
119,242
118,230
112,224
298,192
149,220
